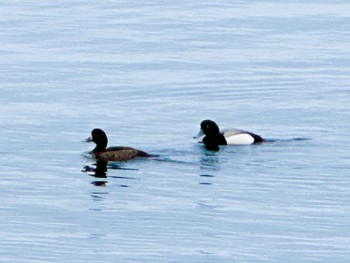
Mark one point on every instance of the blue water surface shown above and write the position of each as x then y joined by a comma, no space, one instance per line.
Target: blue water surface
148,73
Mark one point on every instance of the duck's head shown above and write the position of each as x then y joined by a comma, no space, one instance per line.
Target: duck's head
212,138
210,128
99,137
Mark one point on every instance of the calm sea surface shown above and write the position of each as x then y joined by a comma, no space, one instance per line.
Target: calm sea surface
148,72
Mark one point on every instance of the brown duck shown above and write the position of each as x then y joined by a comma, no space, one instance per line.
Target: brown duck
117,154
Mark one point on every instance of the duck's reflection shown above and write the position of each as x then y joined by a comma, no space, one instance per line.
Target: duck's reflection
99,183
210,160
209,164
99,170
207,178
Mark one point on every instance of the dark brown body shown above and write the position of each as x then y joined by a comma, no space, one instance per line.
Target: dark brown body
119,154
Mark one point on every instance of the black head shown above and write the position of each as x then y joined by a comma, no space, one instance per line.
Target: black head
213,138
99,137
210,128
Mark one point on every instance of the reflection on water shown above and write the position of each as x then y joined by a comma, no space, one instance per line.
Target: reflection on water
207,178
99,183
100,170
97,196
205,183
206,175
210,160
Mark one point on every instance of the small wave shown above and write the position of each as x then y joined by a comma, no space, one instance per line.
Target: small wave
297,139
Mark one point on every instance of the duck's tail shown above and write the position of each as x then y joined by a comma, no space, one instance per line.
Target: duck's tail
143,154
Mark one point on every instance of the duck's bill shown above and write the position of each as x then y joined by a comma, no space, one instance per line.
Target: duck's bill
88,139
199,137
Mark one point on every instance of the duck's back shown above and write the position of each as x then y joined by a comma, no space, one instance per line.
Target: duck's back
120,154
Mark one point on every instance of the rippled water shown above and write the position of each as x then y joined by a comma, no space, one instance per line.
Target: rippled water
148,73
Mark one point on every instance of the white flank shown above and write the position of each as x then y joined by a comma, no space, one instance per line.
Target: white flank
240,139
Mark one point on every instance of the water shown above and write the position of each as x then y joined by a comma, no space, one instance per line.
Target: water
148,73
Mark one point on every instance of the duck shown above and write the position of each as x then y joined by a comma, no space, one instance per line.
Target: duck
211,136
115,153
